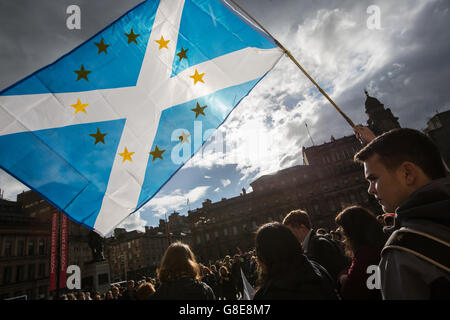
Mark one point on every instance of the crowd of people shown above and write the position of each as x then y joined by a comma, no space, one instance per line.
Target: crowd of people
410,243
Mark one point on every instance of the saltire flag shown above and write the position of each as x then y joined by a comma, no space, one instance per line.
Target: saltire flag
249,292
92,132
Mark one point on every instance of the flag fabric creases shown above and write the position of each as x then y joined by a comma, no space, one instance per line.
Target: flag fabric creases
92,132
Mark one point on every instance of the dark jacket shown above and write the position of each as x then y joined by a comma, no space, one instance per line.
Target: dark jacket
227,288
327,253
307,284
355,288
184,289
404,275
128,295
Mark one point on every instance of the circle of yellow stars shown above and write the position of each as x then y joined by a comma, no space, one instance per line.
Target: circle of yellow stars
131,37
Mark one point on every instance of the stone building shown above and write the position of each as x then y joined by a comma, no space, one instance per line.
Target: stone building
438,129
132,255
380,119
24,254
25,232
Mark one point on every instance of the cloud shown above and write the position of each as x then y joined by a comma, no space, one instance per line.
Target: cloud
217,189
405,65
133,222
10,186
207,177
176,200
225,182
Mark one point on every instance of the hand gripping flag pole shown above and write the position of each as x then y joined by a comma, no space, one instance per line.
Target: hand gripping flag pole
350,122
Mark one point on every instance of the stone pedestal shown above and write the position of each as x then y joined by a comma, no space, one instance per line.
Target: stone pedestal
96,276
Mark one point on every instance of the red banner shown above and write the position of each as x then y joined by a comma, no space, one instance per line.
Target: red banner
63,252
54,244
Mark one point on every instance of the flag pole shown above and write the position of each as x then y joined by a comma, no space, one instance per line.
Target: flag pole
350,122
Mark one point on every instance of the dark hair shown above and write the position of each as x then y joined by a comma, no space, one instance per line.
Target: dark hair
399,145
278,250
296,218
361,227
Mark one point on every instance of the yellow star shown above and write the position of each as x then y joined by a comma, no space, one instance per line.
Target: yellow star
182,54
197,77
99,137
199,110
157,153
184,138
132,36
82,74
101,46
79,106
162,43
126,155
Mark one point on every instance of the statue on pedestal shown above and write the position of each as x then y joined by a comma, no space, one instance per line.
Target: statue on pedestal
96,243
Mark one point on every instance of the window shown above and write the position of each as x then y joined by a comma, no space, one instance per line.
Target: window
216,234
31,271
235,231
7,275
225,232
199,240
41,271
41,247
8,248
207,237
20,248
31,244
19,273
254,225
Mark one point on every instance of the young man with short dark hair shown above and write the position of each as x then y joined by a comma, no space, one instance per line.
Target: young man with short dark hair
407,176
318,248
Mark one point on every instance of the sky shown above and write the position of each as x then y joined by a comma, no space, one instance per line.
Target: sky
398,50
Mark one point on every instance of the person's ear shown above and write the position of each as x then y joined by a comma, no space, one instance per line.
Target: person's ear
409,172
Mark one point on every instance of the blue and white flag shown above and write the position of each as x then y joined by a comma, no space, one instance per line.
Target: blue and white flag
93,132
249,292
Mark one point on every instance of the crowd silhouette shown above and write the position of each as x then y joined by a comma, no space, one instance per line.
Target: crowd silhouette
293,261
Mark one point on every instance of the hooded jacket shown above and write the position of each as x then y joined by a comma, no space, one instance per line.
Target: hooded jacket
404,275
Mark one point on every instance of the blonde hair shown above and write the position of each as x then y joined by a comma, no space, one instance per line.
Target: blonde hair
178,262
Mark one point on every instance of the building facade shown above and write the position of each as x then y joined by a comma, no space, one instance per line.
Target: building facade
380,119
24,254
25,237
438,129
132,255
